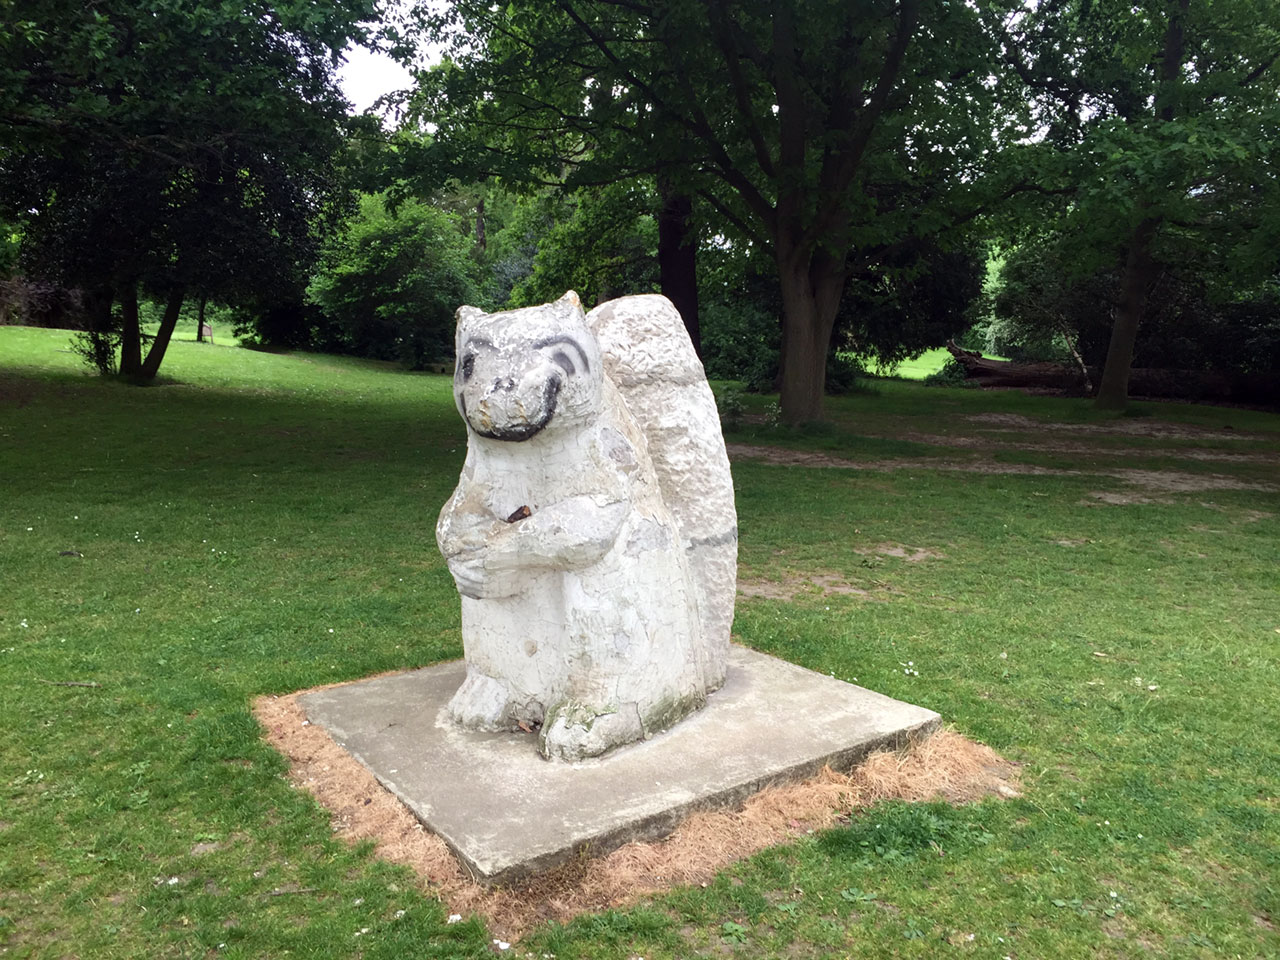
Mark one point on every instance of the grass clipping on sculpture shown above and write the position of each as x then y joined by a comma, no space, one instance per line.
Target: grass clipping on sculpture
944,766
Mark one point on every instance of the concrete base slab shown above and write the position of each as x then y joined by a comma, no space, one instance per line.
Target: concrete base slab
506,812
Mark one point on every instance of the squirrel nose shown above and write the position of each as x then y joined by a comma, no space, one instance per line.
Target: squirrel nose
504,383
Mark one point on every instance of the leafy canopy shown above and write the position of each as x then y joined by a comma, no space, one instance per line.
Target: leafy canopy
390,282
173,146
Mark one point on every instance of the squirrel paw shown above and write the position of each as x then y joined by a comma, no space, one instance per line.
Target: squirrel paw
576,731
481,703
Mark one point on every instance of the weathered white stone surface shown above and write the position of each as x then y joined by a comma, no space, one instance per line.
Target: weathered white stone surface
648,354
586,598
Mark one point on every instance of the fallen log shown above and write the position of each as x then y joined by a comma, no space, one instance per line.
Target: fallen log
1194,385
1007,373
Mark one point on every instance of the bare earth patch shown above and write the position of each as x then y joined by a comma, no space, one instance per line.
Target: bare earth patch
901,551
795,585
1176,482
1169,480
1133,428
943,766
826,584
808,458
1121,499
1086,449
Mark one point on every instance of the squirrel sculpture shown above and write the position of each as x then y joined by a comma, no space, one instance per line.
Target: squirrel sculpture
592,534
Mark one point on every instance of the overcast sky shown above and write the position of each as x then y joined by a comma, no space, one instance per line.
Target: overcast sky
367,75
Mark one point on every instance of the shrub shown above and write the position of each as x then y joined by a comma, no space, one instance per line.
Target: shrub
390,283
99,349
952,374
740,342
732,408
844,373
1193,320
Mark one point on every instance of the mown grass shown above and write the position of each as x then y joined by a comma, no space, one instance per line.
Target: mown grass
264,523
917,368
929,362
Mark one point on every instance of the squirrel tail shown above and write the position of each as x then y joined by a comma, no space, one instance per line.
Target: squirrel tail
650,359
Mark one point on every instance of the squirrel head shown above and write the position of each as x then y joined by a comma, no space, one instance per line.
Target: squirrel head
520,372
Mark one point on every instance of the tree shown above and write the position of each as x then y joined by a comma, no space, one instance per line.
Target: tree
918,297
171,149
390,282
829,109
1163,116
1193,322
601,244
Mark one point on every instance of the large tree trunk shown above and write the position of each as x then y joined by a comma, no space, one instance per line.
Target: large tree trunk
151,366
1139,267
811,289
678,258
130,332
200,321
1139,271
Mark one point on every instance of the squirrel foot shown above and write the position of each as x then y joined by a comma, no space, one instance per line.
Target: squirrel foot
481,703
576,731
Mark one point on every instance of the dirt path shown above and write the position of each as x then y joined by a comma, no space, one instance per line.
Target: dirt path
1011,422
988,443
1163,480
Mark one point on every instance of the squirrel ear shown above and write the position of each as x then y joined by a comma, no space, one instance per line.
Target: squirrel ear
466,313
571,304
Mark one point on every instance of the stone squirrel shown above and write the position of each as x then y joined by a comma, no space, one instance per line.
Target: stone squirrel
592,534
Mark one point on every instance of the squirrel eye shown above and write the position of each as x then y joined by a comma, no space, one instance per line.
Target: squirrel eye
561,359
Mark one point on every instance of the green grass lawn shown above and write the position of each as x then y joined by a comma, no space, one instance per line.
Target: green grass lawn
929,362
262,523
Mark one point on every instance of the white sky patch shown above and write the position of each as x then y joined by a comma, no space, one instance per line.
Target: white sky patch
367,75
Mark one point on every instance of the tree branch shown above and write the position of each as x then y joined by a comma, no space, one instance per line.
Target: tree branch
741,95
726,169
1260,69
747,231
849,156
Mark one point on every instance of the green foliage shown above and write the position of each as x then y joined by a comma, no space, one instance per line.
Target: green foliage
602,243
795,123
1160,124
844,373
952,374
97,348
10,245
1192,322
511,249
1132,136
389,283
740,342
732,407
171,148
919,296
895,311
36,303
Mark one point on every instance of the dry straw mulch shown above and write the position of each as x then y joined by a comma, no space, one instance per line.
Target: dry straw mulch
943,766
